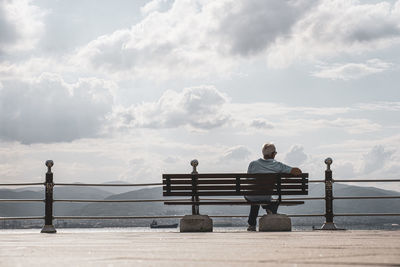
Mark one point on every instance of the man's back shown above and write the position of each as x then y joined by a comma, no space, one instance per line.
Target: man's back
268,166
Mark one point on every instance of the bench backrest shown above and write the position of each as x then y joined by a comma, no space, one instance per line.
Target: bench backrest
234,184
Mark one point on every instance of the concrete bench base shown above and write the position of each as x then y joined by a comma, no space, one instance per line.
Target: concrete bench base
196,223
275,222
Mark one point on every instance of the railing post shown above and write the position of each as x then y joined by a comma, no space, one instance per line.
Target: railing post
48,219
195,208
329,224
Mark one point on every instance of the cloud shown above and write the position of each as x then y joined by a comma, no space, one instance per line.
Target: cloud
175,42
294,120
236,153
379,106
261,124
173,39
196,107
351,71
350,125
296,156
152,6
376,158
48,109
21,25
344,170
335,27
195,38
250,27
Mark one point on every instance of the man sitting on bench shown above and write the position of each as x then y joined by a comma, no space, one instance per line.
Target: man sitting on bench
266,165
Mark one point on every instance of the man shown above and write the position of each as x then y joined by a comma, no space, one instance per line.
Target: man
268,164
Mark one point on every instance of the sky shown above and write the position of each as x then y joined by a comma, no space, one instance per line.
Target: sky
128,90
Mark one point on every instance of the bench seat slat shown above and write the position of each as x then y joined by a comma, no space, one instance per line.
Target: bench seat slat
230,175
233,193
231,187
229,181
284,203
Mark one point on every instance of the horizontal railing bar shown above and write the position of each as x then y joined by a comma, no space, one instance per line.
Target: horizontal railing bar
150,184
22,184
181,199
367,197
304,198
21,200
363,180
114,217
118,200
21,218
366,214
166,200
246,216
166,217
316,181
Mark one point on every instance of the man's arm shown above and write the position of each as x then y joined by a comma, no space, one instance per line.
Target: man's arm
295,171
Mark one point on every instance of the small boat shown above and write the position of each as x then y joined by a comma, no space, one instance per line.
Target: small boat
154,224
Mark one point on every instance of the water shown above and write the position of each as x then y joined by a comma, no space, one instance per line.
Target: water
300,228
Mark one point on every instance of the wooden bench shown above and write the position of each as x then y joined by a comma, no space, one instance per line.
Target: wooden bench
232,184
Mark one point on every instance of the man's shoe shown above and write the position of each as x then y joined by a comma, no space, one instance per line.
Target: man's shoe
251,228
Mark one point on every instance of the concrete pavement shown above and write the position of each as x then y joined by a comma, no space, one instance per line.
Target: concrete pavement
230,248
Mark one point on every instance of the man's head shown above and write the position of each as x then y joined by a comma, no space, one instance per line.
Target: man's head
269,151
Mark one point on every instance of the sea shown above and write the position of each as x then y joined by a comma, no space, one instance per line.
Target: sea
301,228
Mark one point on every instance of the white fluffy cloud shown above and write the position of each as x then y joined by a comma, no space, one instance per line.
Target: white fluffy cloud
351,71
194,38
292,120
48,109
261,124
335,27
376,158
163,43
21,25
236,153
198,38
153,6
197,107
296,156
250,27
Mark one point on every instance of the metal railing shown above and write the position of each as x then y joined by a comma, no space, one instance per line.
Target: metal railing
49,201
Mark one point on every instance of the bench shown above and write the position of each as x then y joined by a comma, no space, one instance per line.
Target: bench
232,184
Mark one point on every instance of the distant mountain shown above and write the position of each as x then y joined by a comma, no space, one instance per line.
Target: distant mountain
135,209
118,189
158,208
112,190
75,192
10,209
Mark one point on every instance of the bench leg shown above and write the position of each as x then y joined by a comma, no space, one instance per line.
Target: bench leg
196,223
195,208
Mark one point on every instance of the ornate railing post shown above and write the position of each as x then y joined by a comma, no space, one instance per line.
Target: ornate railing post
48,219
329,224
195,208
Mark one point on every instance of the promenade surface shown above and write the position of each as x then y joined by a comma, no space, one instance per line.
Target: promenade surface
227,248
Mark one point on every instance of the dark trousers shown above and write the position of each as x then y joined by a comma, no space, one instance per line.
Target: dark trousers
254,212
